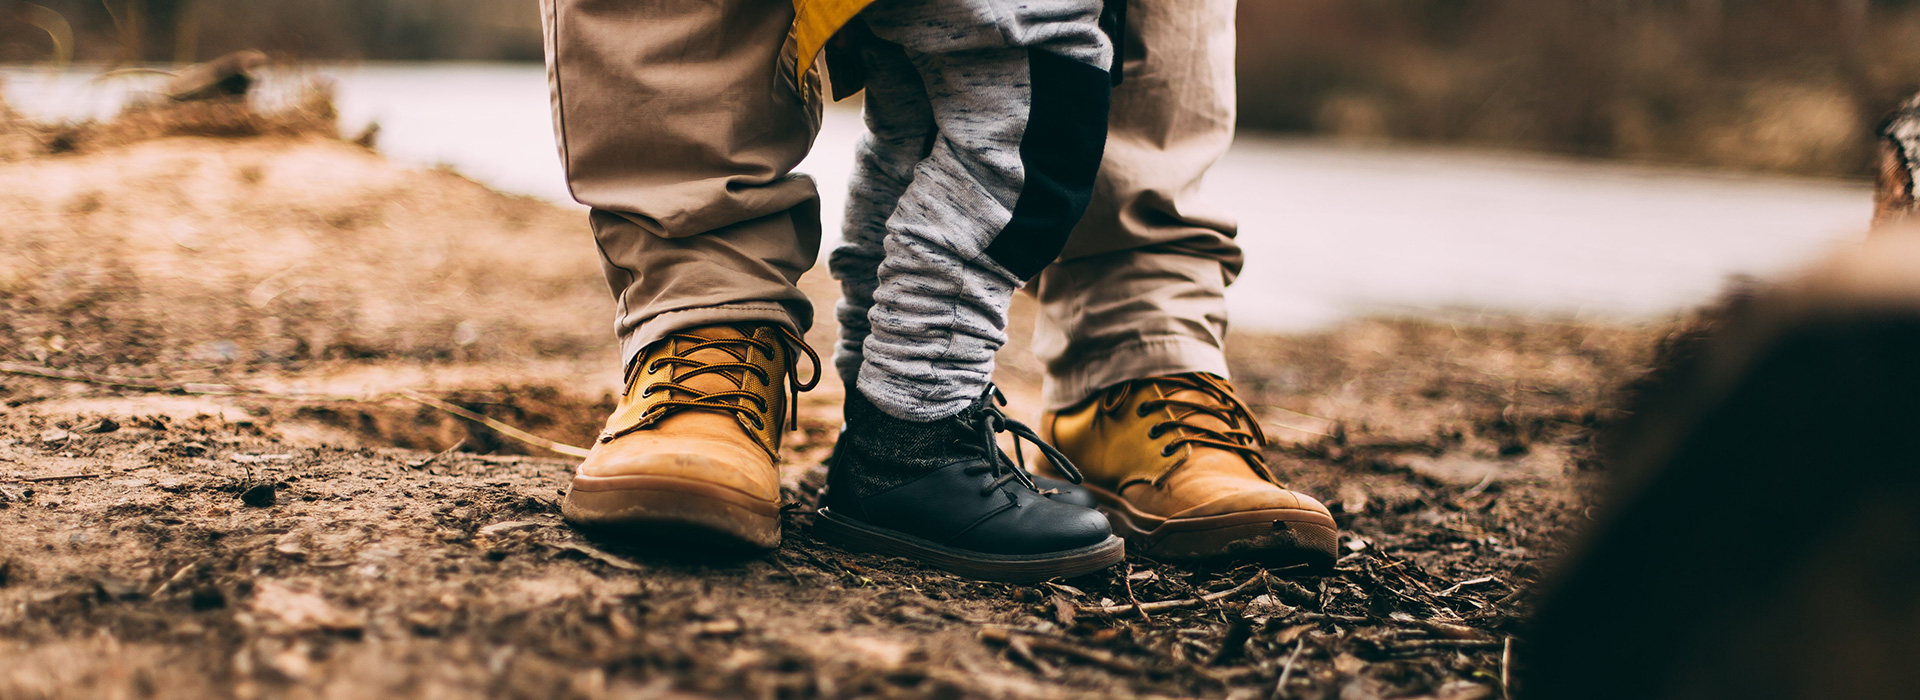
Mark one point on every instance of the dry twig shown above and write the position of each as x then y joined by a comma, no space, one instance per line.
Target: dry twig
177,577
503,428
1286,672
1144,608
1026,643
1506,656
596,554
61,477
1126,582
1017,645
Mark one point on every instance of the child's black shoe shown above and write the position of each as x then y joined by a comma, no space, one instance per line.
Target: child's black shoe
944,494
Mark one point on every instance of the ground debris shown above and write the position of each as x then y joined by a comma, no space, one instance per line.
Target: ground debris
258,495
407,553
284,608
597,554
1143,608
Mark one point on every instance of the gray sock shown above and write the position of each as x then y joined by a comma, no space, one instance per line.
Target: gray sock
878,452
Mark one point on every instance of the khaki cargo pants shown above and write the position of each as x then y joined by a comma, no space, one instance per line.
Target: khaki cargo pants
676,127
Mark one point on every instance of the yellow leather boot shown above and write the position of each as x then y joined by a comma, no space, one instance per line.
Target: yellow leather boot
691,449
1175,464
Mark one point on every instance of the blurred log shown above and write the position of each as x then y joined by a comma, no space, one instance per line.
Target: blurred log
1761,539
1893,195
227,76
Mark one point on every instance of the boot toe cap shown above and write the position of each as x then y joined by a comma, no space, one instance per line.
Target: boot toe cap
1038,526
717,465
1263,496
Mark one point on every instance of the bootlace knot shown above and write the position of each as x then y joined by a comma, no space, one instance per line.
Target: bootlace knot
992,421
747,405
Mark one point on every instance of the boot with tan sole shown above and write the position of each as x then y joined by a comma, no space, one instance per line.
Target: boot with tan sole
1175,463
690,453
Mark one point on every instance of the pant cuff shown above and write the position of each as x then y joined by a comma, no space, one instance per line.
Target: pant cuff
1137,360
653,329
907,400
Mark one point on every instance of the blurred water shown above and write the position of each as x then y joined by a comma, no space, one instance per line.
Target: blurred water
1331,231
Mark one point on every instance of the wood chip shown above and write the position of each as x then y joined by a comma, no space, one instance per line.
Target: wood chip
506,526
297,610
598,555
1144,608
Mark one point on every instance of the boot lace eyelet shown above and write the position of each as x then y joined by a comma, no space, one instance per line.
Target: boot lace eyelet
1141,411
1166,451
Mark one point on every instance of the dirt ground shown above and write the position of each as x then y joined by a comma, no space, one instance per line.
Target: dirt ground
214,482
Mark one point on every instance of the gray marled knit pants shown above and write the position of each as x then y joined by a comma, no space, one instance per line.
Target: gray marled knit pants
986,120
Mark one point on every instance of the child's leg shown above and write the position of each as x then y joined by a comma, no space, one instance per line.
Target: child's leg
1019,93
900,130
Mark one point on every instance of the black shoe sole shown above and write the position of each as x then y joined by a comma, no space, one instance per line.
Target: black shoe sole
857,536
1765,539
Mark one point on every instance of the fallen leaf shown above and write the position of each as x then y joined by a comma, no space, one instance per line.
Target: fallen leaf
1064,588
1288,635
1063,610
1348,664
1265,606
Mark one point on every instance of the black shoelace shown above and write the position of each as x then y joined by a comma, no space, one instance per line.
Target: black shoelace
991,422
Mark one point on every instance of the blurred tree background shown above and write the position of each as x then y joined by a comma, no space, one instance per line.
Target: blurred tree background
1774,85
122,31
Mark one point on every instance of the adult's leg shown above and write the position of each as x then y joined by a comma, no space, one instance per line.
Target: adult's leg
1139,290
1135,315
676,127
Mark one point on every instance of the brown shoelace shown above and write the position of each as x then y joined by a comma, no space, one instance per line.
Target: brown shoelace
740,402
1243,434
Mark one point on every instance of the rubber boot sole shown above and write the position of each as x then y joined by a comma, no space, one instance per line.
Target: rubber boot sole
857,536
1764,536
1274,536
672,512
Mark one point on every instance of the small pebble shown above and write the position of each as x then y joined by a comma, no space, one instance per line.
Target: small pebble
260,496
